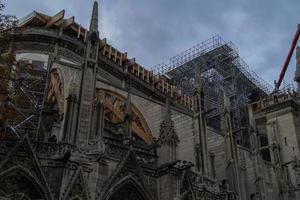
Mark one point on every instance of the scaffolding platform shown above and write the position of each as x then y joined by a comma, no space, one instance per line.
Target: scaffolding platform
220,67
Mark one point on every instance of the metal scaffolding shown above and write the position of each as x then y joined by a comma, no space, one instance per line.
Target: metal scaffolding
220,68
27,79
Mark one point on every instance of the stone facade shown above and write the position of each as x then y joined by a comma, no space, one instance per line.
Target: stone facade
276,118
109,129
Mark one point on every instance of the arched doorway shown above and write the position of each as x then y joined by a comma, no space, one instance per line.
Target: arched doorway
17,183
127,188
127,192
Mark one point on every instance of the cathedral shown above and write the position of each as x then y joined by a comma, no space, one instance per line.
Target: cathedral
93,124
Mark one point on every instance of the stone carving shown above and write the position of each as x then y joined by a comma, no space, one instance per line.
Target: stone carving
95,147
76,188
167,133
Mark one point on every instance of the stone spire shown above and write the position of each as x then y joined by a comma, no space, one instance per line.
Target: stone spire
168,139
167,150
88,81
167,116
227,129
199,122
167,134
128,115
231,155
94,18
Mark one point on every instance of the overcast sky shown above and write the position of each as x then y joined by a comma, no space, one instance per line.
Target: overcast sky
152,31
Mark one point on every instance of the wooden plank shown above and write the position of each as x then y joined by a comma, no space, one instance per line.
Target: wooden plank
115,55
69,22
121,59
33,15
109,53
41,18
85,34
131,62
143,73
79,31
57,17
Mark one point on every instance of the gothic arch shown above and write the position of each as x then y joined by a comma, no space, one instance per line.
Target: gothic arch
127,187
27,167
114,111
19,196
76,188
19,180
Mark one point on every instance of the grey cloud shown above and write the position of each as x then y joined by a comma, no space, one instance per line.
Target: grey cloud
153,31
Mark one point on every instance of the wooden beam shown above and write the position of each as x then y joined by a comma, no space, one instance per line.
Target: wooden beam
57,17
109,54
40,17
85,34
79,31
33,15
131,62
69,22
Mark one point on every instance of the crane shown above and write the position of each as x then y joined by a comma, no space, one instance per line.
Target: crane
288,59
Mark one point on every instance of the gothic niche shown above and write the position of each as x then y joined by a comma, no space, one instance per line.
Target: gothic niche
56,90
18,185
114,112
127,192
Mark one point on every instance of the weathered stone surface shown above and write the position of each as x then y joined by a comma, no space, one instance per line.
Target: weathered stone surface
85,151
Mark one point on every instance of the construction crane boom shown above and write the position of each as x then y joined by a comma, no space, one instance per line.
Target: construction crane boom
288,58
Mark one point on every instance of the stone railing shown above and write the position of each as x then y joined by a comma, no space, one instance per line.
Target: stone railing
202,182
275,99
53,149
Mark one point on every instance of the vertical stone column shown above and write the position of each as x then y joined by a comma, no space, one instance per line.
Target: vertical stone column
168,139
88,80
128,117
70,120
231,156
98,121
276,158
96,144
200,132
86,105
168,187
199,123
257,160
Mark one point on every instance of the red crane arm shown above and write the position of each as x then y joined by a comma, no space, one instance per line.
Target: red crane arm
288,58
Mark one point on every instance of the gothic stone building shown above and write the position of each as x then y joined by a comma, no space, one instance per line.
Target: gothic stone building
96,125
